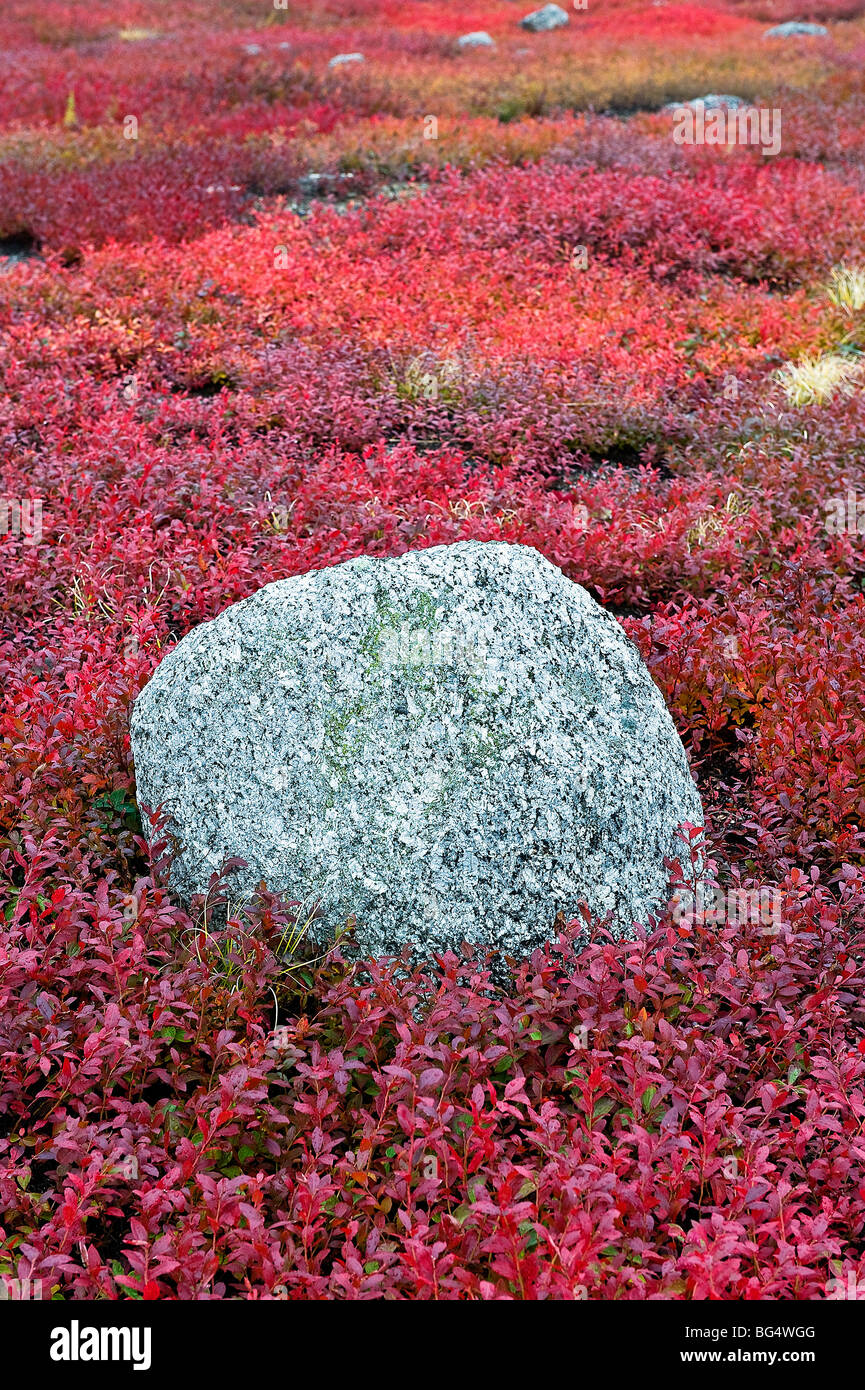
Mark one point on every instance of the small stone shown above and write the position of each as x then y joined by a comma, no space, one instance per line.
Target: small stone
453,745
712,101
549,17
342,58
478,39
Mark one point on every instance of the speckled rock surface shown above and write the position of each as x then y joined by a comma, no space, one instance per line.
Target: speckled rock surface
794,29
452,745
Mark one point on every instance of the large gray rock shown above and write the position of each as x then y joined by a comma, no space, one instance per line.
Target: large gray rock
549,17
794,29
453,745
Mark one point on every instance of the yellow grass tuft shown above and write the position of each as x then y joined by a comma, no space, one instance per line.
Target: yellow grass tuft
815,380
846,287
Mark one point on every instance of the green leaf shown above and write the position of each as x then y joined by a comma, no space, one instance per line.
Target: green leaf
603,1107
